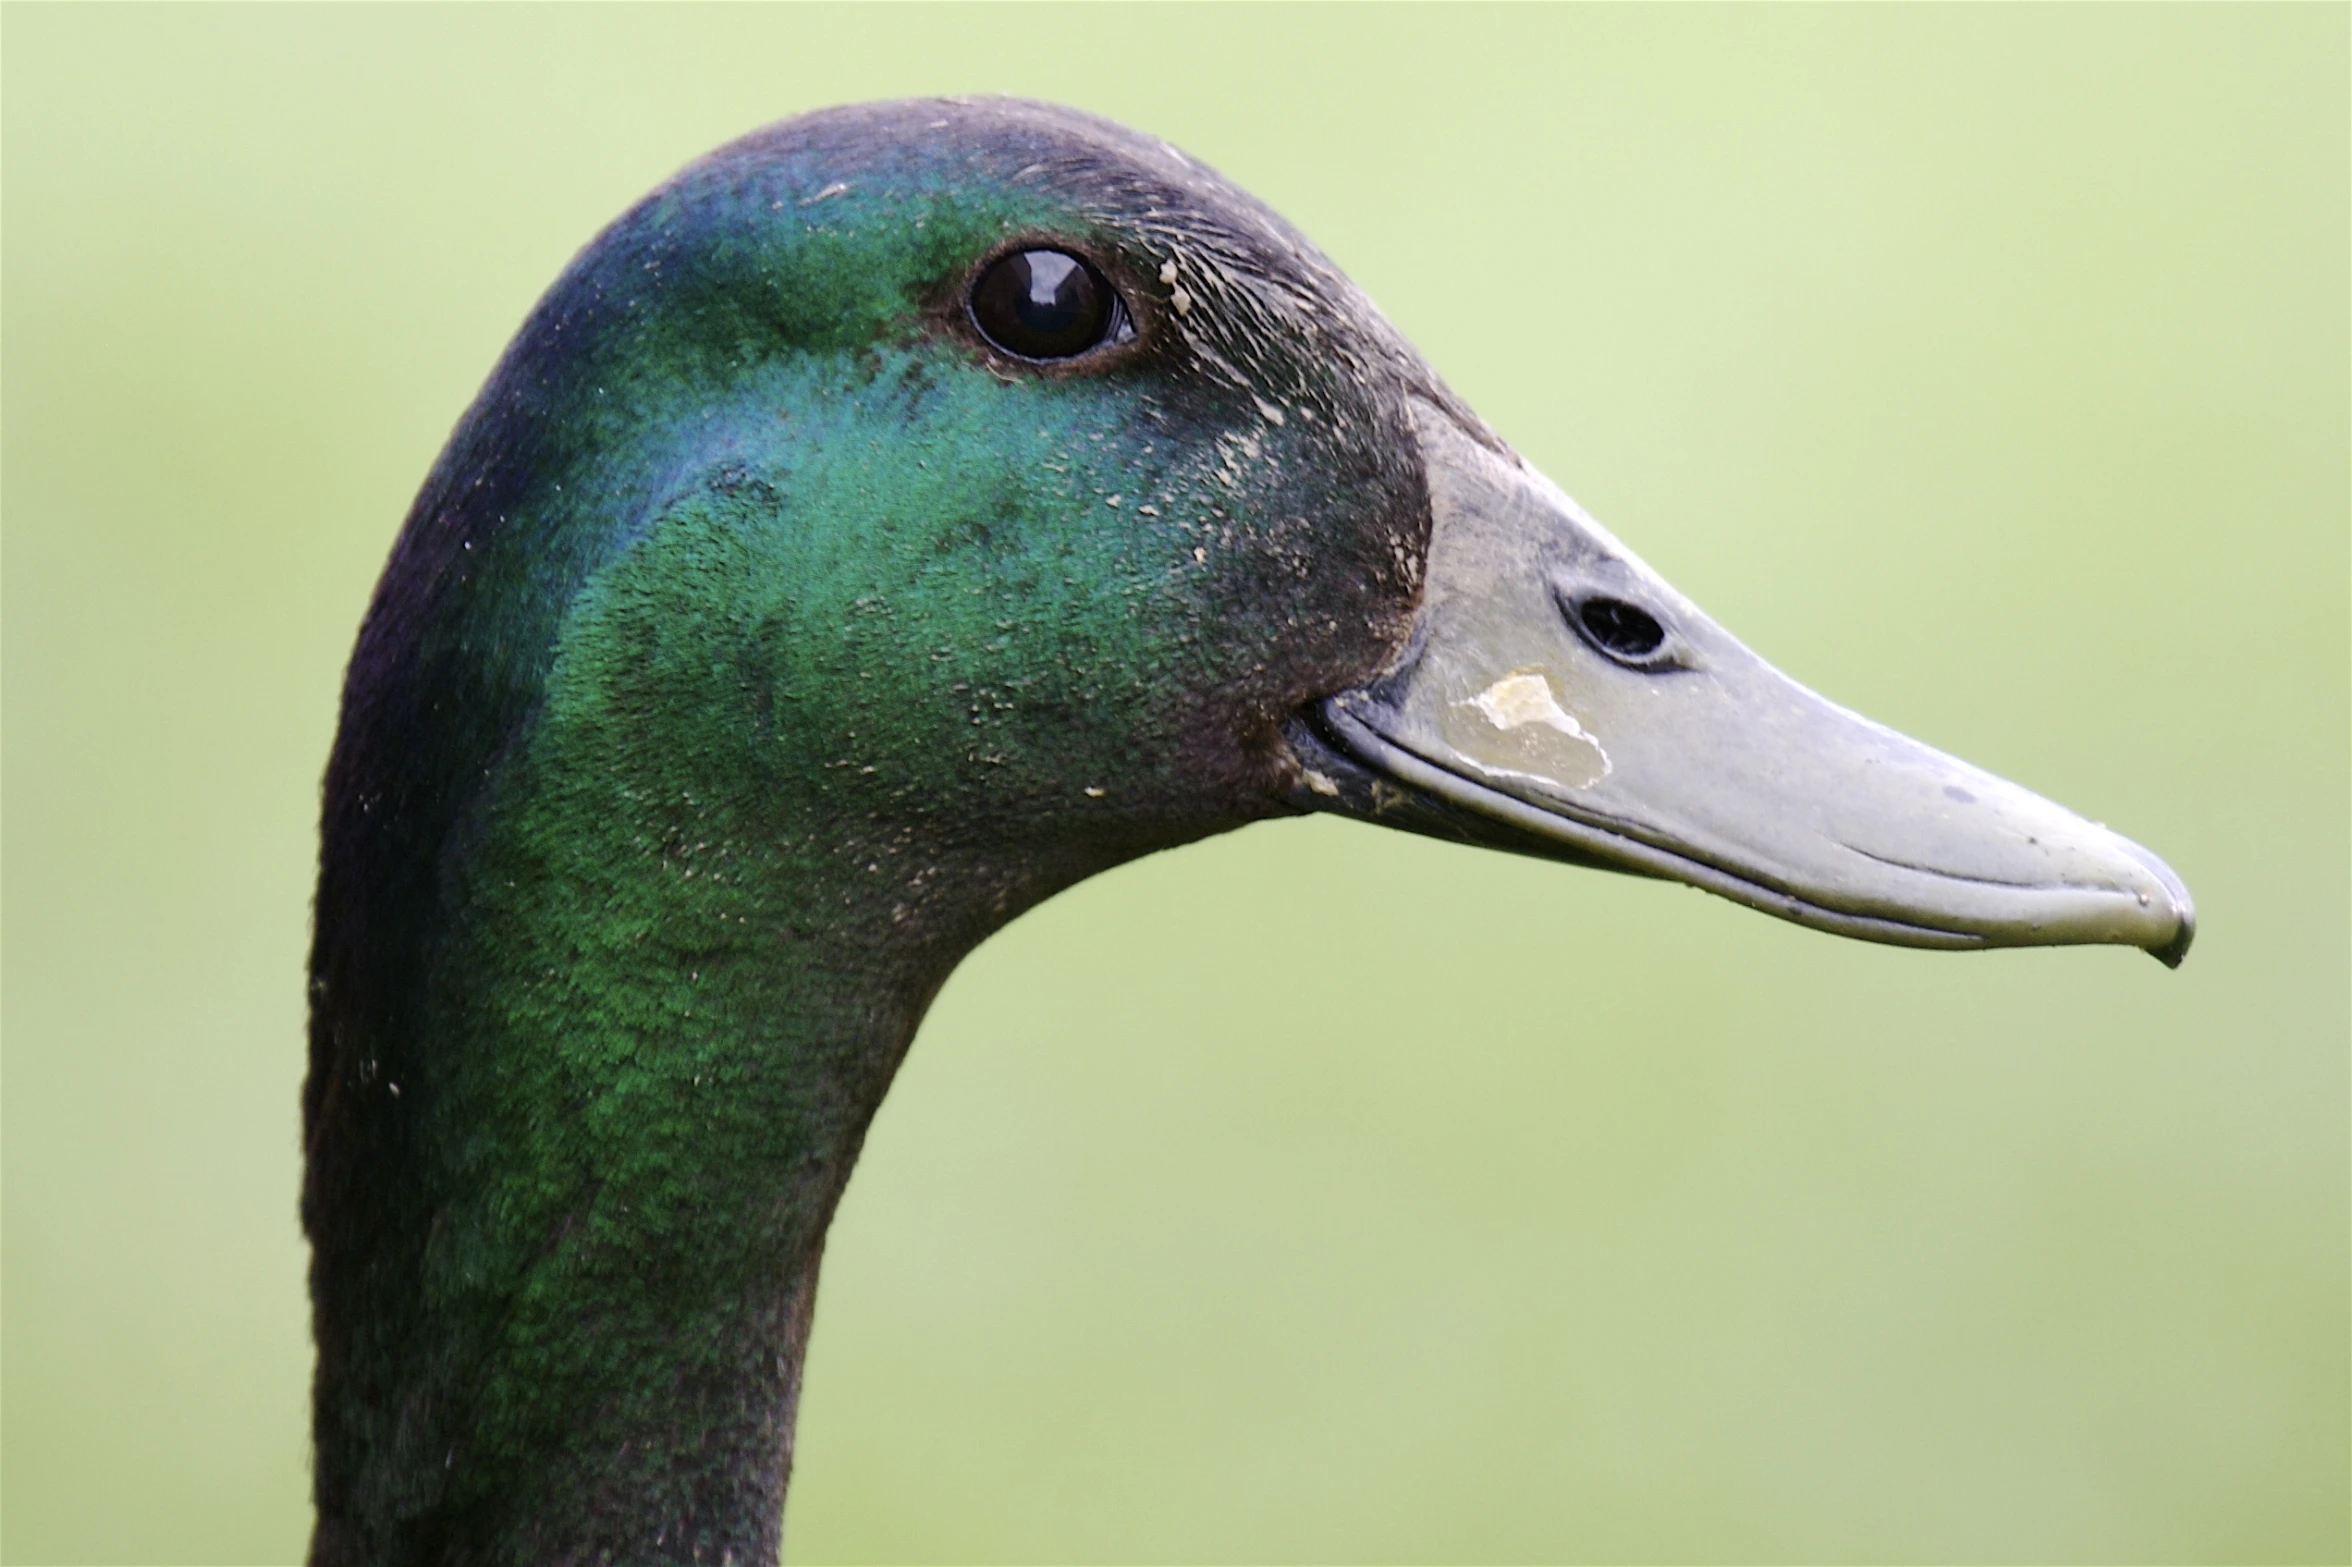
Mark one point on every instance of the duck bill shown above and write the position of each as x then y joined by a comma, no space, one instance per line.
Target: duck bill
1558,698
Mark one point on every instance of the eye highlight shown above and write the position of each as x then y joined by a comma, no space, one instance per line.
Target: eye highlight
1047,304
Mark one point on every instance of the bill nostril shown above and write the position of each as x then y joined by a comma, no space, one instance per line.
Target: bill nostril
1627,630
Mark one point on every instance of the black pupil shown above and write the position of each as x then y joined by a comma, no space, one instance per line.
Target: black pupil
1620,627
1042,304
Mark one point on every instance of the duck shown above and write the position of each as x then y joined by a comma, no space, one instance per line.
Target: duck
900,515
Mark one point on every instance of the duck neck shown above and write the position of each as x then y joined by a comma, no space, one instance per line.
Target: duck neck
572,1318
570,1323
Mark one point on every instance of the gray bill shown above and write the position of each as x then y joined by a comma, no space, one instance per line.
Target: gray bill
1559,698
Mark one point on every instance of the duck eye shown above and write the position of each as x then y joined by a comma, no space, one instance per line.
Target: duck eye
1047,304
1620,628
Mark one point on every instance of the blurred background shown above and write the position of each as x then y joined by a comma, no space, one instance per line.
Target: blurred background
1315,1193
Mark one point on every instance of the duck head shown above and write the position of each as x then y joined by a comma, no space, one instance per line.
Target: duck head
1047,485
901,514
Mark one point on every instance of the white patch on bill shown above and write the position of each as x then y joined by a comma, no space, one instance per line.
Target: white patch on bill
1529,733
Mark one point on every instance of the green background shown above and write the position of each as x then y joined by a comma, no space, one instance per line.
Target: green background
1314,1193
